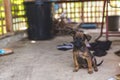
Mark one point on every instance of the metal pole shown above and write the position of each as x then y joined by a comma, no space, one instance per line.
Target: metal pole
101,33
107,22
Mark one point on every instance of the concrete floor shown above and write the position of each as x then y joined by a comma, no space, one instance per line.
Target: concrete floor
42,61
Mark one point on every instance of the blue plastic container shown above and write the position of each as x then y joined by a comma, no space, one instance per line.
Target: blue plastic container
88,25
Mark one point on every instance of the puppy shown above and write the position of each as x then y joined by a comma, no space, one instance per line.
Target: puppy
81,55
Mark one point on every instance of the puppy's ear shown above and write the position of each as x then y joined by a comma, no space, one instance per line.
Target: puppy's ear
72,33
88,37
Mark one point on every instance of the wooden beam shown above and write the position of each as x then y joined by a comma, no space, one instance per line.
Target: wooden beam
28,0
8,15
61,1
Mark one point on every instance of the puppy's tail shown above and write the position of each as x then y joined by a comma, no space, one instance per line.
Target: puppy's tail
98,64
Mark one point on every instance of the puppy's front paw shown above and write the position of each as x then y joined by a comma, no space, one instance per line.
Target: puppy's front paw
96,69
90,72
75,70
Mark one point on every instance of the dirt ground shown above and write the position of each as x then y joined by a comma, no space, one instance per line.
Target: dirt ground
43,61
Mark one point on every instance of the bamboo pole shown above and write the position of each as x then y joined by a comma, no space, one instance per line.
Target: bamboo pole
8,15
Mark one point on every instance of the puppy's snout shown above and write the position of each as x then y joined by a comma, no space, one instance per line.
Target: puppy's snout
78,42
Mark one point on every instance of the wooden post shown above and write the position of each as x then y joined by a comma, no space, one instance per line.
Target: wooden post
8,15
28,0
82,11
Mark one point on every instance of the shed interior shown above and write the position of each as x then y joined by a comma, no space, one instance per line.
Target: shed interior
34,28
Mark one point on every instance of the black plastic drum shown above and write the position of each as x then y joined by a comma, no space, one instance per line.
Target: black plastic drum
39,19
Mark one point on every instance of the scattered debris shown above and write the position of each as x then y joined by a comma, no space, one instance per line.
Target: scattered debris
112,78
5,51
62,24
116,77
65,46
33,41
100,47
